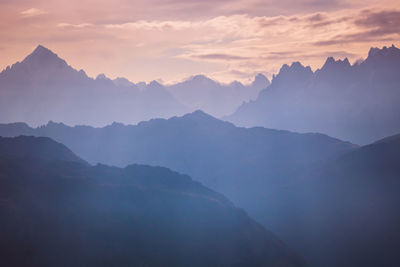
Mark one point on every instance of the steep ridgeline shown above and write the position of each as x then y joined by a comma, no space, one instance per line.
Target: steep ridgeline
224,157
247,165
345,212
44,87
58,210
200,92
358,103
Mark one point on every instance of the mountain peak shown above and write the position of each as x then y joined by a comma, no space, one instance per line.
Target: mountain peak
41,49
260,81
42,56
383,52
101,76
199,115
331,63
201,79
293,73
295,67
155,85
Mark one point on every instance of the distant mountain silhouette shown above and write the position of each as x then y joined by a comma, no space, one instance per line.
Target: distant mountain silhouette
44,87
358,102
67,213
210,150
200,92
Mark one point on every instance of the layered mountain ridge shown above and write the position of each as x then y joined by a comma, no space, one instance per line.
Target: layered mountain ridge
244,164
333,202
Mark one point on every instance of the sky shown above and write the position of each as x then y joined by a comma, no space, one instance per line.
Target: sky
170,40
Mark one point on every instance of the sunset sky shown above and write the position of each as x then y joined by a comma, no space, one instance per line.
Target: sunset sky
170,40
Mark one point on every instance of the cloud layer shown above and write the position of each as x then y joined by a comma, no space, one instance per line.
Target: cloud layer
173,39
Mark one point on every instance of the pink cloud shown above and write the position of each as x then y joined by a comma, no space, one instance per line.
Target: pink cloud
32,12
179,38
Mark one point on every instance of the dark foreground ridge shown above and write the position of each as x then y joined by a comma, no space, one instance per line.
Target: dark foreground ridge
56,210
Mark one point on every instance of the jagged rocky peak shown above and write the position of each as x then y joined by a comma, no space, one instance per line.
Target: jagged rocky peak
260,81
333,66
386,57
295,67
293,73
384,52
44,57
331,62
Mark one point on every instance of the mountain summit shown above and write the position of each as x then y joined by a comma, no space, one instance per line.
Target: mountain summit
43,57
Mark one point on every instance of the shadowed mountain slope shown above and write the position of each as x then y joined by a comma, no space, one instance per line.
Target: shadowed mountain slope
64,212
43,148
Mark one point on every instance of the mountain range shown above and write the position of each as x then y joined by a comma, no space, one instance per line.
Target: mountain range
215,152
246,165
56,210
44,87
200,92
357,103
335,203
